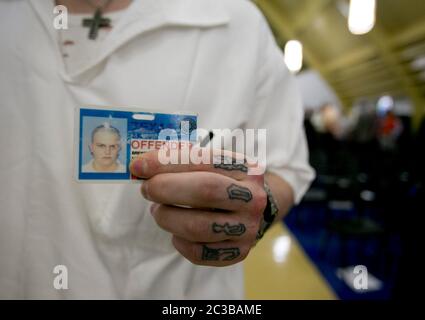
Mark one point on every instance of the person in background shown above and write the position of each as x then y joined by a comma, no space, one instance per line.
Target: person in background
390,128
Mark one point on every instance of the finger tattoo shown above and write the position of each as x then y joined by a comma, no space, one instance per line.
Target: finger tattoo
223,254
229,164
230,230
238,192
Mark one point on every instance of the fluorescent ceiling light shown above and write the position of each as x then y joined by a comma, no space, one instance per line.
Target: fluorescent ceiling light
294,55
385,104
418,64
361,16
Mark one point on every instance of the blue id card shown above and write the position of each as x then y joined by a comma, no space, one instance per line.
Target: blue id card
107,139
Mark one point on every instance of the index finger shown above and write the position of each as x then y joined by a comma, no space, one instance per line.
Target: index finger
224,162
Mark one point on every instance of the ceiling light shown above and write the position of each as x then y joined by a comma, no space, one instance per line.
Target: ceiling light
361,16
418,64
294,55
384,104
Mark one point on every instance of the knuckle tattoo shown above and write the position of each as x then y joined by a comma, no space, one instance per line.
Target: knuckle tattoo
228,229
236,192
219,254
229,163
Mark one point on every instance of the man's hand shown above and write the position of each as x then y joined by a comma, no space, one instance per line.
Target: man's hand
214,211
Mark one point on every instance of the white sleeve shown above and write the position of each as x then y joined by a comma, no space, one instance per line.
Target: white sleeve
278,108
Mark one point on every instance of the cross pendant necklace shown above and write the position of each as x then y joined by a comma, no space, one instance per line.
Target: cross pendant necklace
98,21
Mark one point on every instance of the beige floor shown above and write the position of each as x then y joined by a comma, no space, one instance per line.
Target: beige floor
278,268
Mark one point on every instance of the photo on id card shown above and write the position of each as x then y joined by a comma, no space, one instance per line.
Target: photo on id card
107,139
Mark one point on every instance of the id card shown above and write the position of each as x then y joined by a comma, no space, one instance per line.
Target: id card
107,139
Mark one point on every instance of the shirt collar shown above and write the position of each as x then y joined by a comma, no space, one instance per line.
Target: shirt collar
143,16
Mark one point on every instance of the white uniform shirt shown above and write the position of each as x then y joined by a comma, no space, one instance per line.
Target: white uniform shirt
75,45
89,167
213,57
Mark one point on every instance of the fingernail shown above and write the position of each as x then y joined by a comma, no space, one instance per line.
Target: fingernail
139,168
145,190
